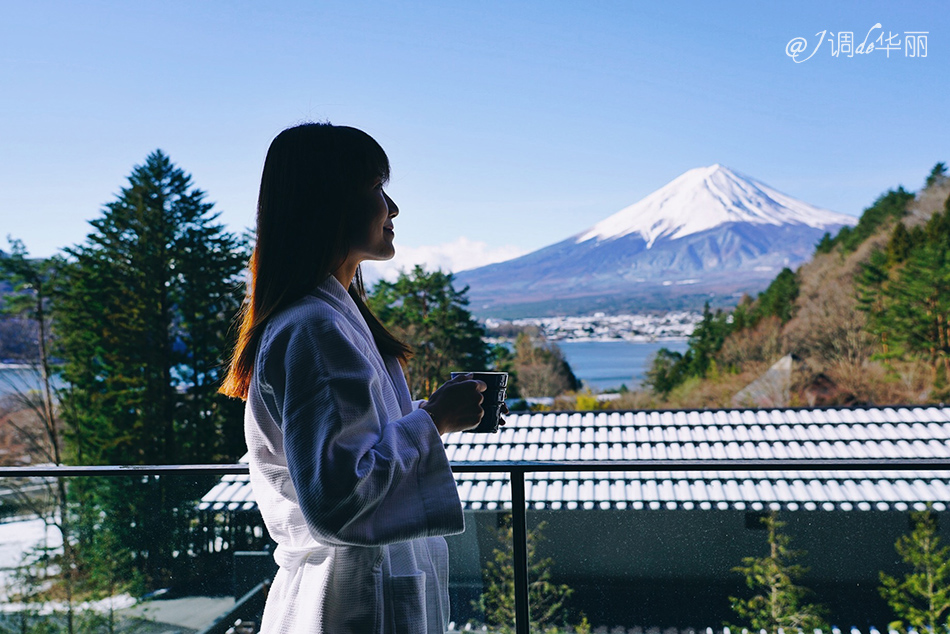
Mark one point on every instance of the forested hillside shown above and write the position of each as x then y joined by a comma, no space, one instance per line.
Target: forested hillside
866,320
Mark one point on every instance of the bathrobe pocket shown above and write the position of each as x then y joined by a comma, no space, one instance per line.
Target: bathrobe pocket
409,603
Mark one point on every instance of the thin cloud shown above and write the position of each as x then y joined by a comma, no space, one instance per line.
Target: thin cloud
458,255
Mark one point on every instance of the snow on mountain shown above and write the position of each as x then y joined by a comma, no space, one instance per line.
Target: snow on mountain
704,198
708,236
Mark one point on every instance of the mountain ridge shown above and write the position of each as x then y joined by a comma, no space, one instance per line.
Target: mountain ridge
675,243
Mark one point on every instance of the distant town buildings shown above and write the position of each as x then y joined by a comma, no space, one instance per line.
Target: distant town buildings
602,327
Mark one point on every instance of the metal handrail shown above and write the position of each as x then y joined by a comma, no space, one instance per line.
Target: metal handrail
516,472
817,464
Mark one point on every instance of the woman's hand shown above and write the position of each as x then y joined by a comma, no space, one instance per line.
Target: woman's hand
457,404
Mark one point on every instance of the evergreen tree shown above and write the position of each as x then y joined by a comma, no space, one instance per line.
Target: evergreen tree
143,317
890,205
922,599
937,229
780,601
938,175
143,325
743,316
922,294
670,369
425,310
844,237
905,289
666,371
779,298
899,246
871,299
706,341
825,245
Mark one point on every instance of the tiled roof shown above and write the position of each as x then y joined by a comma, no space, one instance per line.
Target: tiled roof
797,434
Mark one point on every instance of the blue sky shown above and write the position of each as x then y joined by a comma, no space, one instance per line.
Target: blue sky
511,125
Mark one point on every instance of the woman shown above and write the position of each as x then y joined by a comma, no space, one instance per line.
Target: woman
351,476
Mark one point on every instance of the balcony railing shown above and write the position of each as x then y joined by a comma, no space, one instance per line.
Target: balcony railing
516,475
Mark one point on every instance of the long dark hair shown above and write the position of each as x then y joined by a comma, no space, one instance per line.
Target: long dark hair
308,206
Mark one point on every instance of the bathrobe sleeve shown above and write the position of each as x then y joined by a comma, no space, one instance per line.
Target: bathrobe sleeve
360,478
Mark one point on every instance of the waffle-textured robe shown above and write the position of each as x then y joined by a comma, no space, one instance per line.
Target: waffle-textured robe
351,478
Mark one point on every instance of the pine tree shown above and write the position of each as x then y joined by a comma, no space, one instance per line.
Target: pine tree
425,310
825,245
937,175
905,289
922,599
780,601
779,298
890,205
919,300
671,369
143,316
143,326
706,341
871,297
899,246
666,371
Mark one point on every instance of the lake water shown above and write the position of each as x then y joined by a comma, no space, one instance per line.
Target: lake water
609,364
16,379
600,364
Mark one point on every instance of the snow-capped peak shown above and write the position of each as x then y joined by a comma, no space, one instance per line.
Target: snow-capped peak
706,197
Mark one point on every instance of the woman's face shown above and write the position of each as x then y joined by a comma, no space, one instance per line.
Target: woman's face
375,241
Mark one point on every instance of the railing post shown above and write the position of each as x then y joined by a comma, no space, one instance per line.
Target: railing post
519,534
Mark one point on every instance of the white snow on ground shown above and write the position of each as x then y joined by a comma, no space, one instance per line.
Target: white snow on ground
16,538
707,197
118,602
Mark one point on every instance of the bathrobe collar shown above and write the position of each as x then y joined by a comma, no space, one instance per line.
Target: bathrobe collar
333,292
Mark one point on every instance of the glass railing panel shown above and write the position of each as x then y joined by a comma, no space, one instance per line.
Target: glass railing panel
482,552
141,551
631,552
667,552
175,552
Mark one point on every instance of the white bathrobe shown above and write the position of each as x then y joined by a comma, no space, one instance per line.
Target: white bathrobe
351,478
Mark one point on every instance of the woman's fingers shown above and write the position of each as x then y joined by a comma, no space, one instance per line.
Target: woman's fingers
457,404
476,411
504,411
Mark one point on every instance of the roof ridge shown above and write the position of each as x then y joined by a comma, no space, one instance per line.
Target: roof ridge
847,408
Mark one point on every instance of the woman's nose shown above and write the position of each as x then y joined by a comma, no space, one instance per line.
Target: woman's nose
393,208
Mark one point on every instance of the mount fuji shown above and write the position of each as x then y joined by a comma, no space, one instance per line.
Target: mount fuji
711,234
